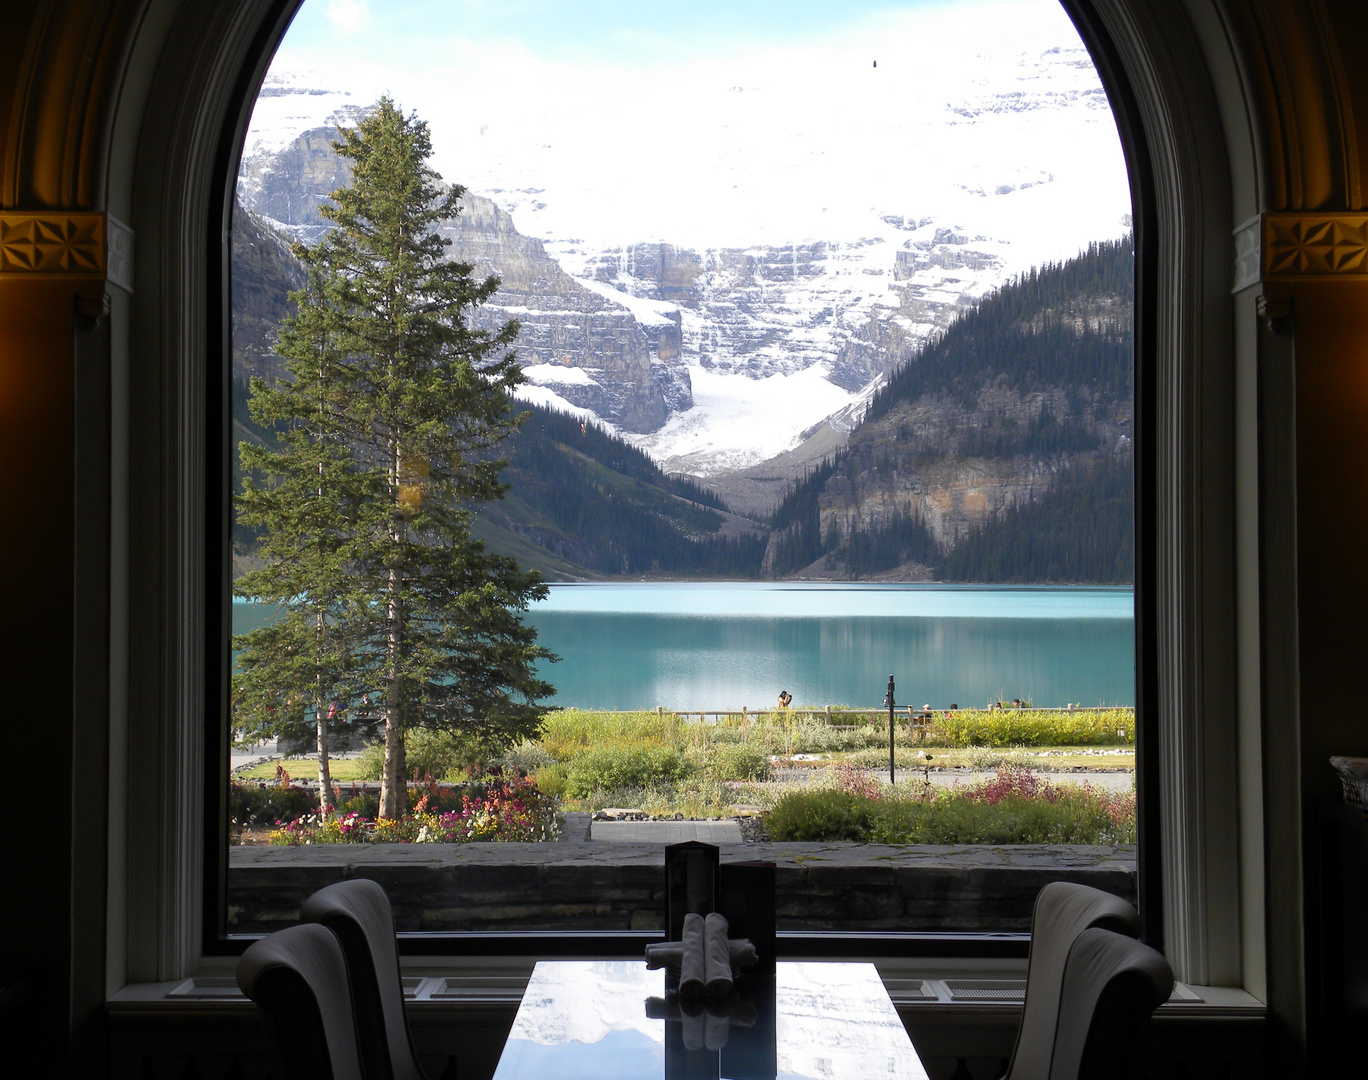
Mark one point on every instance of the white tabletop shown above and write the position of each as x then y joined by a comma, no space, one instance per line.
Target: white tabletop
589,1019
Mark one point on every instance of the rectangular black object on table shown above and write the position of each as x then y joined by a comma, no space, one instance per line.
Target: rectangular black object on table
697,883
691,882
746,898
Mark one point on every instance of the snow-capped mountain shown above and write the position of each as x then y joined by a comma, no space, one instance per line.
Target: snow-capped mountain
761,241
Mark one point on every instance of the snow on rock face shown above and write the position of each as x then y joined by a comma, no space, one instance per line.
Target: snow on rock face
557,375
288,168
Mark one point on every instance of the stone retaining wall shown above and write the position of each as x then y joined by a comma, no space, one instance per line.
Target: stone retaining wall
581,885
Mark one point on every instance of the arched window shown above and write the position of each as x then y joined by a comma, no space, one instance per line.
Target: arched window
839,290
186,146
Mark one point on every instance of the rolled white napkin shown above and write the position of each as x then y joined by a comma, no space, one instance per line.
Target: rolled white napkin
691,966
740,952
717,969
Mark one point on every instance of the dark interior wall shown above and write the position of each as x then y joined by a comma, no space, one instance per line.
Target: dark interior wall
1343,26
1332,518
1332,522
36,638
1306,71
60,76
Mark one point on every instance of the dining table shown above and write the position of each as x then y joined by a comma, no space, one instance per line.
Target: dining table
619,1020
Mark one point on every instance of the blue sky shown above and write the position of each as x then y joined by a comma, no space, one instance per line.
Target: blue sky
588,31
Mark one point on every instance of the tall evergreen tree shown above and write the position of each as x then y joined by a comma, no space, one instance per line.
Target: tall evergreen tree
410,404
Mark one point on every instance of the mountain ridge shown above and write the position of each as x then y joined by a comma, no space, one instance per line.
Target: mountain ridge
774,336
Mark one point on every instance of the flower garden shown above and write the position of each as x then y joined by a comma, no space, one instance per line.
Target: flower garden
496,810
805,778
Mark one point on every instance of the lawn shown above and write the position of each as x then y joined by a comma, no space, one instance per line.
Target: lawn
343,770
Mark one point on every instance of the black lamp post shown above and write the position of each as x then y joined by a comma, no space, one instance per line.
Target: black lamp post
888,703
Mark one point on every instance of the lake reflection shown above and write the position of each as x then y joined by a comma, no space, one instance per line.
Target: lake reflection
1051,646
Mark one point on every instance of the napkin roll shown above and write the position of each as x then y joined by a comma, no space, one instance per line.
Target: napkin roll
692,966
717,969
740,953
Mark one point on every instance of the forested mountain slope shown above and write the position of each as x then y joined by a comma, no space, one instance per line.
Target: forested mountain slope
584,503
1002,452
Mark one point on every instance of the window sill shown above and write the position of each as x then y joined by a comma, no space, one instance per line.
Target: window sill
972,986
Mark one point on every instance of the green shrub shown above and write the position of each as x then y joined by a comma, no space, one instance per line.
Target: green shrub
551,780
443,755
526,757
739,761
1031,727
370,763
253,804
568,733
729,761
1071,817
1016,819
362,802
823,815
623,767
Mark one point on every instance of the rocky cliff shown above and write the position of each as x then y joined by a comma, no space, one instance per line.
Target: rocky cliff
616,355
955,467
857,307
263,273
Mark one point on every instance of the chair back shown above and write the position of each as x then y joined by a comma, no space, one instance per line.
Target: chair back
358,912
1063,910
1112,984
298,977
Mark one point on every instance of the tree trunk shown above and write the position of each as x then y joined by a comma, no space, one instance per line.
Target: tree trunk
325,797
321,728
393,782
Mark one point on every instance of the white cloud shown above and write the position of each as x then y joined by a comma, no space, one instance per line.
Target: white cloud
349,17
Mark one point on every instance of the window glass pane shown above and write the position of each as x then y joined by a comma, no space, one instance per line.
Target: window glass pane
805,335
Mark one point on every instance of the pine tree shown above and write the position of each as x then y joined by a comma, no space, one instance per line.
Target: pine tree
394,411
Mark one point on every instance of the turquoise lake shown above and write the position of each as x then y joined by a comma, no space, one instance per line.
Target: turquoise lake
721,645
